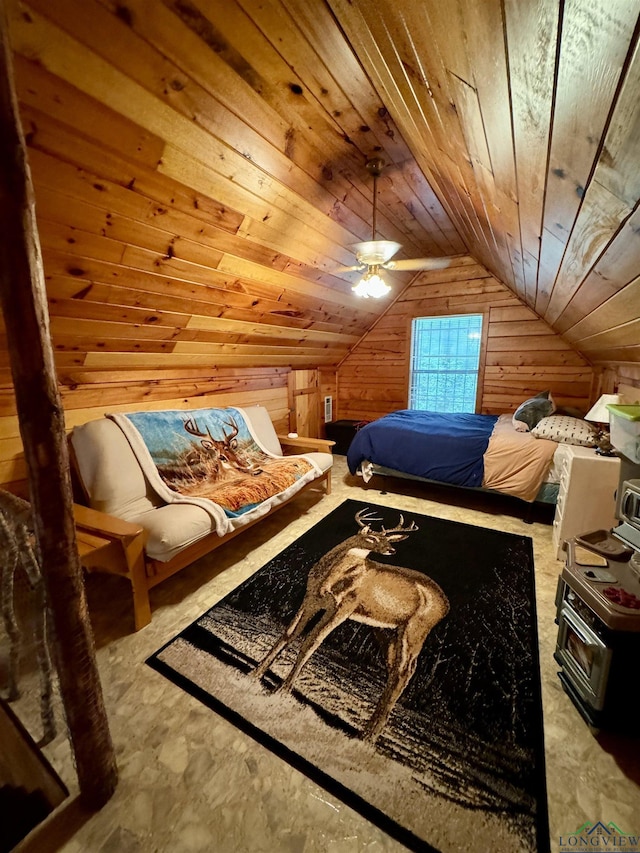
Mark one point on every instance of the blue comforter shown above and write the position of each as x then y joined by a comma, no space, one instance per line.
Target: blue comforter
439,446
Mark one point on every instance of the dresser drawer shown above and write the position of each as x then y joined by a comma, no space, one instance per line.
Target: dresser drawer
586,494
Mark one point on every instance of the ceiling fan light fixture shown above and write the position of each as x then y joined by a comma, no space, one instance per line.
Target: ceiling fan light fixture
375,255
360,289
376,251
377,286
371,284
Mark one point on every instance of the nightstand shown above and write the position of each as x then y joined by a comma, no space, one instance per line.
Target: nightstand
587,494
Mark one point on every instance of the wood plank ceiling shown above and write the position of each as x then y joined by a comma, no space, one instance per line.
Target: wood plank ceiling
199,168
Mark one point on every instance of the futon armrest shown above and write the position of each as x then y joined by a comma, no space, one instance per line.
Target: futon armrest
301,443
94,521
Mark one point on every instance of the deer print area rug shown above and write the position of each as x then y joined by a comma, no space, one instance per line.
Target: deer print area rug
394,660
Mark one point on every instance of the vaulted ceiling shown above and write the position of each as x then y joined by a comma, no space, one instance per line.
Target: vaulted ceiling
200,167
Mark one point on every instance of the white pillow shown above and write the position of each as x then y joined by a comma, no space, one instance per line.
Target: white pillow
565,430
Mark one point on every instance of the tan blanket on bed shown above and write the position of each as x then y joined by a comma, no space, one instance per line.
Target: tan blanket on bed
516,462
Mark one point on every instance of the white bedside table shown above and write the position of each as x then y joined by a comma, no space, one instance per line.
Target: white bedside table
587,494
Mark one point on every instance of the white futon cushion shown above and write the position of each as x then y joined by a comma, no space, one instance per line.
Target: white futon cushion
172,527
109,470
259,421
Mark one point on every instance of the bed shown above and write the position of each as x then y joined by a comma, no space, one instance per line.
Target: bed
469,450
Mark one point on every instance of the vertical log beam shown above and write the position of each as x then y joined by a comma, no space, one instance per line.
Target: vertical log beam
24,305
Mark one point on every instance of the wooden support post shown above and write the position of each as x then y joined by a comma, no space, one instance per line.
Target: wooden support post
24,305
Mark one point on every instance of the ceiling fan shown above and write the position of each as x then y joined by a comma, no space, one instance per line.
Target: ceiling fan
376,255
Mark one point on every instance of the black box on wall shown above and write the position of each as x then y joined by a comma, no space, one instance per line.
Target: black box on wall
342,432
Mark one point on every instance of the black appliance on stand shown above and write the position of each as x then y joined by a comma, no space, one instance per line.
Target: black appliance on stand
598,616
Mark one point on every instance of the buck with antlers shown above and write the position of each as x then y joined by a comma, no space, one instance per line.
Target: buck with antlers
346,584
225,452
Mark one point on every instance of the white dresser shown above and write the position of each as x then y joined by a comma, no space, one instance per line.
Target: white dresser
587,493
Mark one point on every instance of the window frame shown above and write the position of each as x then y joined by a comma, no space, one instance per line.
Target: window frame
481,359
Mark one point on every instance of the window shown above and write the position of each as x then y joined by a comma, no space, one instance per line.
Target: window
445,357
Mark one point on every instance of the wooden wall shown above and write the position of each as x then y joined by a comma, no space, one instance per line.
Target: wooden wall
611,378
168,389
523,356
200,183
525,119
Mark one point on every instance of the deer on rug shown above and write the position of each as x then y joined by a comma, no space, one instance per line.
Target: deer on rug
346,584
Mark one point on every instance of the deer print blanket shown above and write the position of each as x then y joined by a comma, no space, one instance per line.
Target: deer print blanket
212,459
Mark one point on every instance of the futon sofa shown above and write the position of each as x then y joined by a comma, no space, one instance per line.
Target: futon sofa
125,527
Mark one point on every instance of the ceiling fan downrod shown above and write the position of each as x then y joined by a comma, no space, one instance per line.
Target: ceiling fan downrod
375,167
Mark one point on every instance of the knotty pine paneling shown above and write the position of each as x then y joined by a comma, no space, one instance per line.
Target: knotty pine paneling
199,178
524,118
194,195
609,380
522,356
240,131
87,396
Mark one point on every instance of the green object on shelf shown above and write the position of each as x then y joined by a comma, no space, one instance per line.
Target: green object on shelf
625,430
629,412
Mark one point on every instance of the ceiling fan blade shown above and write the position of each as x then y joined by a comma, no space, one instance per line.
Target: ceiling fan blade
418,264
357,267
375,252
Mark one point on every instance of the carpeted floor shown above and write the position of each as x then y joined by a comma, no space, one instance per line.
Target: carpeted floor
459,761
